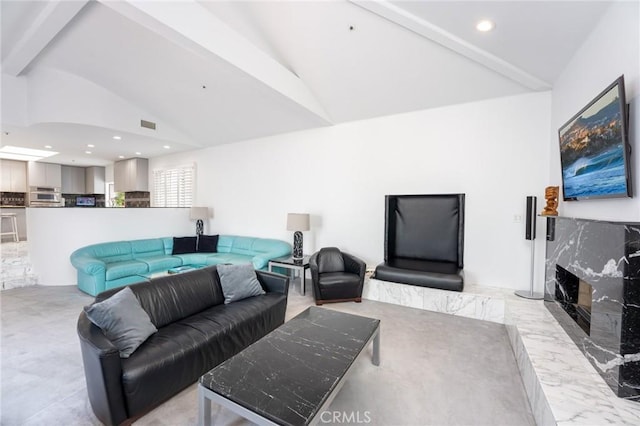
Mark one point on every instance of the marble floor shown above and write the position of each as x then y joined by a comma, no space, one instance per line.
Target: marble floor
436,369
16,268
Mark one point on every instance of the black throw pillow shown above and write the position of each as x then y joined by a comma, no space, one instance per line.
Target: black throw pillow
208,243
182,245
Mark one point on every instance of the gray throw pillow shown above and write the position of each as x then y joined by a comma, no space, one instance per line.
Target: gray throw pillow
122,320
238,282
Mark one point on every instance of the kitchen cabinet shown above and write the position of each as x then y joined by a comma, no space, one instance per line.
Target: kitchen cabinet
94,180
44,174
73,180
131,175
14,176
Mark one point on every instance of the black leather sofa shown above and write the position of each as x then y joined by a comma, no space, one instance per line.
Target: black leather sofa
424,241
196,332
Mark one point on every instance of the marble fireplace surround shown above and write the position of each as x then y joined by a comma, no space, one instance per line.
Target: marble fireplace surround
562,386
606,256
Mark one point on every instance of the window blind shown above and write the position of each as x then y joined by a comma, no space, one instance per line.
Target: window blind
173,187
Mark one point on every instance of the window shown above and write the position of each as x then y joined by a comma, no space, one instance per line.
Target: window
113,198
173,187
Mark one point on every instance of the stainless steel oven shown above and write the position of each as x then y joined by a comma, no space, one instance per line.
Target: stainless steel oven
40,196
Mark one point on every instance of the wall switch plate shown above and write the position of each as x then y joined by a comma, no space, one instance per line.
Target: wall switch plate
517,218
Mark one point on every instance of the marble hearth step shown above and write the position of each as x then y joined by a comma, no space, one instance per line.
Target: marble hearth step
562,386
483,303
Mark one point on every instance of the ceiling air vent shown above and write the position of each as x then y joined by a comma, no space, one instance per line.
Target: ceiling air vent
148,124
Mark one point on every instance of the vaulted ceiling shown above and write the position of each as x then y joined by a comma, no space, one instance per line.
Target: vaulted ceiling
78,73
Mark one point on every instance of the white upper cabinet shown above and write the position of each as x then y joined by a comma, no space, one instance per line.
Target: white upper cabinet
73,180
131,175
94,180
44,174
14,176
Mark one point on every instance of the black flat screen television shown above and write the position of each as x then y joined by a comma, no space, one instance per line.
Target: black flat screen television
86,201
594,148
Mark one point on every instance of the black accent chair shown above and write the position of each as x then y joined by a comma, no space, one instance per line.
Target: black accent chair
424,241
336,276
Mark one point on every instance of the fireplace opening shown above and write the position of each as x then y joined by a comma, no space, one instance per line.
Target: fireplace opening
575,296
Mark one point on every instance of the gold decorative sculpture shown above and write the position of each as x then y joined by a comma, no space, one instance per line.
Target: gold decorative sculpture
551,195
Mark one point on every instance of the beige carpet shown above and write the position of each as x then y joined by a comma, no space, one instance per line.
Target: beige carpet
435,369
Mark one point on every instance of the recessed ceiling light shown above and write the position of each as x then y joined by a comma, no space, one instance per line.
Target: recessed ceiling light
120,156
485,25
166,147
138,153
90,146
87,152
48,146
117,137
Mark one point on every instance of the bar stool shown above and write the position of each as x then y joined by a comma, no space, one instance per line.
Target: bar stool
14,225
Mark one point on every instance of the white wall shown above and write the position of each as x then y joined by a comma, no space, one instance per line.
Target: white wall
13,100
611,49
494,151
54,233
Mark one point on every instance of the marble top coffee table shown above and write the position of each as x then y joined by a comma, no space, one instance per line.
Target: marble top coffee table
290,376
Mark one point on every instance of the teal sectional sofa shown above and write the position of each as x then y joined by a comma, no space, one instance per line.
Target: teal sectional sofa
116,264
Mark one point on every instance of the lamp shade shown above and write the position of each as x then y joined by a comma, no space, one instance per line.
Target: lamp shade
199,213
298,222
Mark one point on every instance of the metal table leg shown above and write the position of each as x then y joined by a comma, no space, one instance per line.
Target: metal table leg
204,408
376,348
